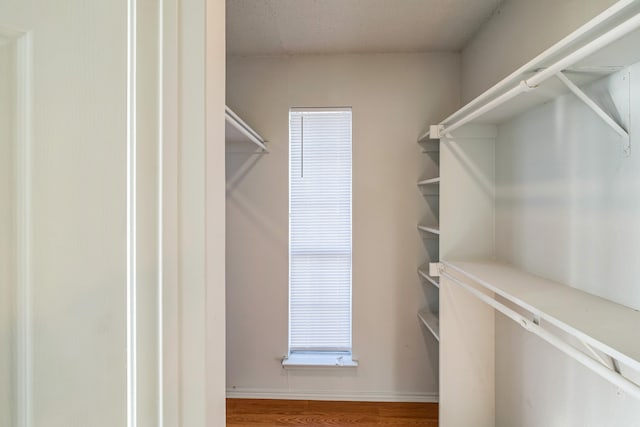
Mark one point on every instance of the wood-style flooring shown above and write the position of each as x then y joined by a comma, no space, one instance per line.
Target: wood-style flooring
279,413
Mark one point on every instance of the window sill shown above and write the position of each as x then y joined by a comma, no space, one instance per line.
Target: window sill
319,360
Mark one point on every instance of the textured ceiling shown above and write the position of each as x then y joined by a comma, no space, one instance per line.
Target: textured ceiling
276,27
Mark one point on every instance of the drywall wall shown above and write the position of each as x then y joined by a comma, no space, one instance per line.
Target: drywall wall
567,197
567,209
394,97
518,31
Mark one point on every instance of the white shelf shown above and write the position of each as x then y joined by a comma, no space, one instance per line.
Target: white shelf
604,325
603,46
428,145
429,229
433,280
424,137
432,181
431,321
238,131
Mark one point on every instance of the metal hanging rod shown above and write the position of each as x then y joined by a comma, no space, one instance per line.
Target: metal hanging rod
534,327
533,82
242,127
534,63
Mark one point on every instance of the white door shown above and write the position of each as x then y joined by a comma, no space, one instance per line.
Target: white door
78,214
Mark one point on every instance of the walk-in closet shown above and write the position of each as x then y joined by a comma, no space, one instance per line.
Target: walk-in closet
494,206
320,213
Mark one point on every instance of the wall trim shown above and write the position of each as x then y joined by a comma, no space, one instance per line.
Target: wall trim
353,396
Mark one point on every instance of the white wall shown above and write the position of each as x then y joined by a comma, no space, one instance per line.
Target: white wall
568,209
394,98
518,31
572,186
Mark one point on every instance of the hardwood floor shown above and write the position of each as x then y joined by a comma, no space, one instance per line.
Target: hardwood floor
268,413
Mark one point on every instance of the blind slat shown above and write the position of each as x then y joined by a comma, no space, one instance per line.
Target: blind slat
320,230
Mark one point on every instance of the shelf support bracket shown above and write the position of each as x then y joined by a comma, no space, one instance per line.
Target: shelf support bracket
624,134
597,357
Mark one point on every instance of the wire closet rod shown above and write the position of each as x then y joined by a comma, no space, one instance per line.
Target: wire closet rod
530,84
605,372
563,43
244,128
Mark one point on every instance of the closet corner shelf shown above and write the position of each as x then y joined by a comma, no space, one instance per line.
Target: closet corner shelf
432,181
602,46
429,229
238,131
599,324
431,321
428,145
424,137
433,280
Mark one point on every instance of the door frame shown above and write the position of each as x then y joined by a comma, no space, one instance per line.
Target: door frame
193,211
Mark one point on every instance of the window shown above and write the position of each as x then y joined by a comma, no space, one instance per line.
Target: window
320,236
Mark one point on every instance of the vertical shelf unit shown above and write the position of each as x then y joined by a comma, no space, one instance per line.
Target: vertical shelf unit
430,233
597,333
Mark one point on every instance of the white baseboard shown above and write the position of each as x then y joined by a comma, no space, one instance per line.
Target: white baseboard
353,396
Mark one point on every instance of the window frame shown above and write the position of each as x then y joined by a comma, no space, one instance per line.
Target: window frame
318,356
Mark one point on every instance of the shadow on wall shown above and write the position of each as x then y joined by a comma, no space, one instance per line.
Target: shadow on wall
238,166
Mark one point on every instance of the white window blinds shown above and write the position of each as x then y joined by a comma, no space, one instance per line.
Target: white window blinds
320,230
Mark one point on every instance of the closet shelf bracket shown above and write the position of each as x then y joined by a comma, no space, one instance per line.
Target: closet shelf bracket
624,134
598,357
